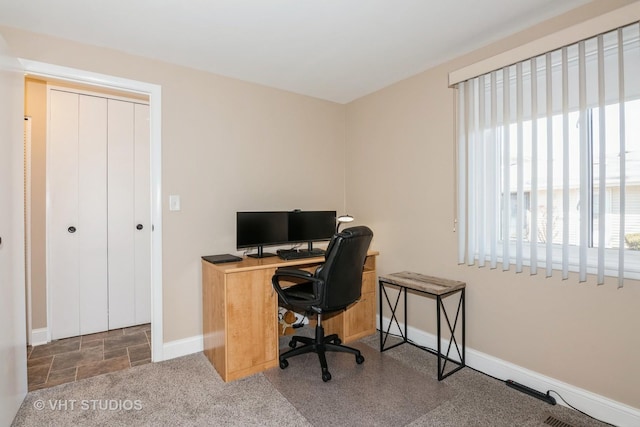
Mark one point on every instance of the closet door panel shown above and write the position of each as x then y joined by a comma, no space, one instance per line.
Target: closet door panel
62,211
121,221
92,211
142,215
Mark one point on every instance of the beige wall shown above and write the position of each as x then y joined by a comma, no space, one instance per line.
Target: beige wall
400,181
227,145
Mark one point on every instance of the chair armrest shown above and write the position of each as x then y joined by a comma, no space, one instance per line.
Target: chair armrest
294,272
290,273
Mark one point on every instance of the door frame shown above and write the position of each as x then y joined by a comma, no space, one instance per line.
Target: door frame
13,342
154,92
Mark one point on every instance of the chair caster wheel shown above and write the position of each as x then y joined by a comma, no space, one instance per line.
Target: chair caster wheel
359,359
293,344
337,341
284,363
326,376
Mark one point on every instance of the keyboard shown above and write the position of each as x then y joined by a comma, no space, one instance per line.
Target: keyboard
289,255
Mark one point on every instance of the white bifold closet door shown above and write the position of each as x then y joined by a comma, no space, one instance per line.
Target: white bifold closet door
142,214
128,219
98,214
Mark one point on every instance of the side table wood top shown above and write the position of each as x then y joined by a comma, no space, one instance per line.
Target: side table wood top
420,282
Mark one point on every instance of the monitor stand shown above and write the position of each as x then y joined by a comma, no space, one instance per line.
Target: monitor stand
311,251
261,254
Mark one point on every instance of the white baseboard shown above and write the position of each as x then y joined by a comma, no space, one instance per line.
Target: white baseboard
183,347
593,404
39,336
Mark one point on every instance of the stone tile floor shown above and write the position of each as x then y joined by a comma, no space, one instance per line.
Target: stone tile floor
75,358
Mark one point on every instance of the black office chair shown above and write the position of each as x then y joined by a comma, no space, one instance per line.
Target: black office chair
335,285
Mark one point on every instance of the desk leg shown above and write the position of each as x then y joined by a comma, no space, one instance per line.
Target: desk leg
380,311
405,337
385,334
464,298
460,349
439,335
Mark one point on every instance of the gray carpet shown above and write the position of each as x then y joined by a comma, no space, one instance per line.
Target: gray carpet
374,387
396,388
181,392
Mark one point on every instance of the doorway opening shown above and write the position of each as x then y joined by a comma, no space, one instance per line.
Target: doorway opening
152,92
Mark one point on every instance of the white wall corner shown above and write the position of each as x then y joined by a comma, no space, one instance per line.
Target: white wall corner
183,347
593,404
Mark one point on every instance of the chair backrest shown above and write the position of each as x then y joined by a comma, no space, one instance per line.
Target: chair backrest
342,270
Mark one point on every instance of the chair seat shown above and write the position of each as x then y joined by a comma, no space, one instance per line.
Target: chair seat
300,293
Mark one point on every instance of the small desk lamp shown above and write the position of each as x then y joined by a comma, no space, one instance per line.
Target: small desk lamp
341,219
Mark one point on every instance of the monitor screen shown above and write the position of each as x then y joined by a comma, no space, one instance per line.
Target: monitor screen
310,226
261,228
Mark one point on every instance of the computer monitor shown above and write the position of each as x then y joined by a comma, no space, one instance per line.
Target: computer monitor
311,226
259,229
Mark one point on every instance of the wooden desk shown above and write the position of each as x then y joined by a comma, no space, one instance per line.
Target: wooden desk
240,313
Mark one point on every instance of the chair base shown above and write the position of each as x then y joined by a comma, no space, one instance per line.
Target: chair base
319,345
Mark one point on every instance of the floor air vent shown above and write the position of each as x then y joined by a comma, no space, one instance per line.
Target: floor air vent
553,421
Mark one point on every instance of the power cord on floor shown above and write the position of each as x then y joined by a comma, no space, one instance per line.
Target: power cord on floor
576,409
501,380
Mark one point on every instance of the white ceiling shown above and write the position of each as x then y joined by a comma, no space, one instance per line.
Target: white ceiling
337,50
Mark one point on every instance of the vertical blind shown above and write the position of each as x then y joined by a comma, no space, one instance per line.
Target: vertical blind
549,161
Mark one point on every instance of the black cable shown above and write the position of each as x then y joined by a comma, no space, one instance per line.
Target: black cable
488,375
576,409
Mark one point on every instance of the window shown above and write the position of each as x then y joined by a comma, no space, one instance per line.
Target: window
549,161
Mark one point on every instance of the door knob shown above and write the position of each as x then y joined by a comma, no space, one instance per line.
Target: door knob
71,229
139,227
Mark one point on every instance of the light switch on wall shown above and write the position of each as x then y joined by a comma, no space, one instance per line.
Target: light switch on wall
174,202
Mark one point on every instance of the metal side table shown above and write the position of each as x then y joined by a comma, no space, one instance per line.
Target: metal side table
433,287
